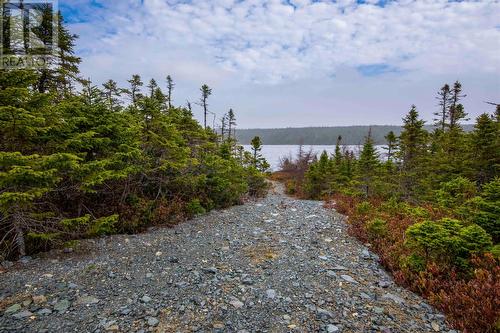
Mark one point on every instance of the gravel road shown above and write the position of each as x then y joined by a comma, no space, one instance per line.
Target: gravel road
273,265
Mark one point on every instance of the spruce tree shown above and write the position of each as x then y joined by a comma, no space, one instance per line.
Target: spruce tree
368,166
231,123
444,98
152,86
112,94
456,110
170,89
391,140
205,93
412,152
485,150
135,87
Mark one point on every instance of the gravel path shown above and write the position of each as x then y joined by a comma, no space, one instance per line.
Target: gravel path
276,265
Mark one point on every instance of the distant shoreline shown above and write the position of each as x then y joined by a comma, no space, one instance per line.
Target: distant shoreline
351,135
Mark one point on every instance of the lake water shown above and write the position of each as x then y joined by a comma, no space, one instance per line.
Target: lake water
273,153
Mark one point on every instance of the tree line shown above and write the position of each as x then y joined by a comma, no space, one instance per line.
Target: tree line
351,135
431,209
100,160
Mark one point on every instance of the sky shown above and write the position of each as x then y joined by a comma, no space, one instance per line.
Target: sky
297,63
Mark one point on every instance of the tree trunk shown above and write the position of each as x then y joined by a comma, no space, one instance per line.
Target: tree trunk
19,241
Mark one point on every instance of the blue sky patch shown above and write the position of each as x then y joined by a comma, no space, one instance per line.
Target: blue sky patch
376,69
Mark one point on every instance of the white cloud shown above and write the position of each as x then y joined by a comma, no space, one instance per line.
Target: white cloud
246,47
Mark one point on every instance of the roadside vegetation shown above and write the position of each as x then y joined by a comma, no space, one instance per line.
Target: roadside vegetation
430,206
77,160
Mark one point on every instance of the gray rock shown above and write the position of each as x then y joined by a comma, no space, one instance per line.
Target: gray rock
271,293
348,278
22,314
25,259
62,305
384,284
330,328
210,270
13,308
152,321
44,312
236,303
86,300
394,298
7,264
146,299
324,313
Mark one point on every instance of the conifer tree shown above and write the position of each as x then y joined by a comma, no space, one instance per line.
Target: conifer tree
256,144
444,98
223,126
456,110
170,89
412,151
205,93
90,93
135,87
231,123
485,150
112,93
368,165
152,86
391,144
338,152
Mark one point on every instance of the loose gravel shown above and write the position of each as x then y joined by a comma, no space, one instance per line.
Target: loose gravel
274,265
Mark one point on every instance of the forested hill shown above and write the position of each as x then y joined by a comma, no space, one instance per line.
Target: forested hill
351,135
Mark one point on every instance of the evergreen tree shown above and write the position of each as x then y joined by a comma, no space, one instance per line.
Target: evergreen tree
170,88
112,94
231,123
368,166
338,152
256,144
152,86
391,145
135,87
223,126
444,98
412,152
205,93
456,110
485,150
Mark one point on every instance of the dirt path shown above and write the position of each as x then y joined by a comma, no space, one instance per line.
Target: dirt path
276,265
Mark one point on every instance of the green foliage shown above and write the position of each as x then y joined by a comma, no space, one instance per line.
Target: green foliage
377,228
455,193
414,263
74,162
447,240
103,225
364,208
484,210
194,208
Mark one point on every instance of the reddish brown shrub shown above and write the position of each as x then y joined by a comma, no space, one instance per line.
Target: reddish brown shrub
470,299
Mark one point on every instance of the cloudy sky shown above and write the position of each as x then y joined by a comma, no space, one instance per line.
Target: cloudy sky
297,63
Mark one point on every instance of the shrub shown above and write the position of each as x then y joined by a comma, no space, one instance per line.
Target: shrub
194,208
484,210
364,208
103,226
377,228
447,241
455,193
